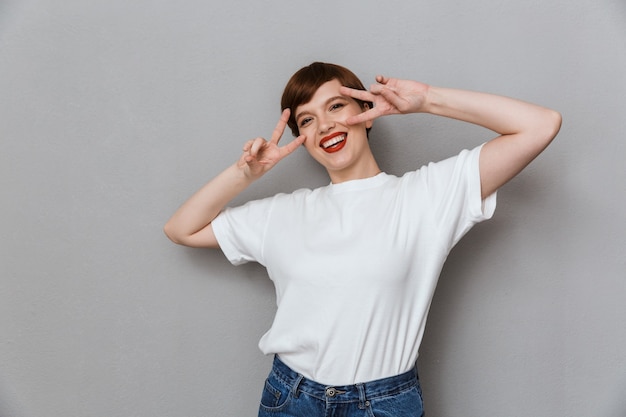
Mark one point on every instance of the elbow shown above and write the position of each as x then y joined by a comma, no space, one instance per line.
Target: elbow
542,132
202,239
545,130
553,124
171,234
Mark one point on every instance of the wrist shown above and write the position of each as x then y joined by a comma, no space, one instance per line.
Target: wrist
433,100
240,174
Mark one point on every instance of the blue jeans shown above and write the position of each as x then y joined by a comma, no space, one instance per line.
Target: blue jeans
289,394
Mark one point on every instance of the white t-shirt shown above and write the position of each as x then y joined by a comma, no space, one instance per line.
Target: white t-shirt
355,264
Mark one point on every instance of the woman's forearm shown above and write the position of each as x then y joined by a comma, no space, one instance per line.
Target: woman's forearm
191,223
503,115
188,224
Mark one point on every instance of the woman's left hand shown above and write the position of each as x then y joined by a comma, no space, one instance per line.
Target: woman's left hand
390,96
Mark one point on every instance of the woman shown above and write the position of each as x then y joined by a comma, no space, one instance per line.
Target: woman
355,263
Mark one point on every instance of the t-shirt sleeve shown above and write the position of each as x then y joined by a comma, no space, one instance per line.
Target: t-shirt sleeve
455,190
240,231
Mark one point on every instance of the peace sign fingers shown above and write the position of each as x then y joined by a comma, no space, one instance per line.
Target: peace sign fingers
280,126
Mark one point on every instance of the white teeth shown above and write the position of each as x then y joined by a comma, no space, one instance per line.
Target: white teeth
333,141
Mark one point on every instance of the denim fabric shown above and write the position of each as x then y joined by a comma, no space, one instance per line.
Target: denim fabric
288,394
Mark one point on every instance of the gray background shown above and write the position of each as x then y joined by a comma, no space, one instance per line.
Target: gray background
112,112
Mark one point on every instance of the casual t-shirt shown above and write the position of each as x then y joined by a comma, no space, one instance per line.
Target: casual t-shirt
355,264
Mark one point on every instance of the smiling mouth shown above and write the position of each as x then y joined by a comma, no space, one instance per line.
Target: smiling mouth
333,143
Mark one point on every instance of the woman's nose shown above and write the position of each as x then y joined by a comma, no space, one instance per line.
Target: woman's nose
326,124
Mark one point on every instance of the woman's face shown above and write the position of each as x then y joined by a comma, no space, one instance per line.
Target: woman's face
341,148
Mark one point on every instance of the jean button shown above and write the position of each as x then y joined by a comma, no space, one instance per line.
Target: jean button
331,392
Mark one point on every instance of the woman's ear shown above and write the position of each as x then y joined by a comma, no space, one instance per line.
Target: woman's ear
366,106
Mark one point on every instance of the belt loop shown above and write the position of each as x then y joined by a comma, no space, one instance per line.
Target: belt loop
363,403
296,386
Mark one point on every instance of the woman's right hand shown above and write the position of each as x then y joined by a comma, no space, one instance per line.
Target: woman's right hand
260,155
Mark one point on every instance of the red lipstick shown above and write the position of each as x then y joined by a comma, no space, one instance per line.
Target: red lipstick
333,143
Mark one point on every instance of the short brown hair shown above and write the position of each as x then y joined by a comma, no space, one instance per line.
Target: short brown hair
304,83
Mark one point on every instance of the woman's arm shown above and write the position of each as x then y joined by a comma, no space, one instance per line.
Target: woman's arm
191,223
524,129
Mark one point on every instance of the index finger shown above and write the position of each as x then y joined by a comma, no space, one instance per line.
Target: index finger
280,126
366,116
362,95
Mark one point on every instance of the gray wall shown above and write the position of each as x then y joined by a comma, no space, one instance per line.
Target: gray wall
113,112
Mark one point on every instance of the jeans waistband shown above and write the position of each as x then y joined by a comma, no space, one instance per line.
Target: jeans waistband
344,393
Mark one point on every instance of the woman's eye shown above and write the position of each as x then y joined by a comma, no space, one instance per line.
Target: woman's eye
336,106
305,121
